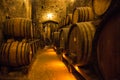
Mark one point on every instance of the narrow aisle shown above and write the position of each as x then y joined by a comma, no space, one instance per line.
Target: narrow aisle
47,66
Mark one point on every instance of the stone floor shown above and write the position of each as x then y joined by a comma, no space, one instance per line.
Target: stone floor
46,66
49,67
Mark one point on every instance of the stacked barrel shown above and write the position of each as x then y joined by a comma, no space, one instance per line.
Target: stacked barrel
21,42
90,37
18,27
1,35
15,54
106,45
76,35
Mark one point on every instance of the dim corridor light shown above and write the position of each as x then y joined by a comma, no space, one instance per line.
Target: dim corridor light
24,0
49,15
72,1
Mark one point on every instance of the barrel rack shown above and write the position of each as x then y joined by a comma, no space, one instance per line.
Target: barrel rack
4,70
82,73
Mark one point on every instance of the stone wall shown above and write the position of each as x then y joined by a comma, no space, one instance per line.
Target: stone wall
77,3
43,7
59,8
40,8
16,8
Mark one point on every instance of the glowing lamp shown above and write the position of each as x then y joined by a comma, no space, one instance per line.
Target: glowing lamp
49,16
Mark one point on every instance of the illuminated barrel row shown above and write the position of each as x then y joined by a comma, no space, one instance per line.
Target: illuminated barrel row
35,44
79,41
106,45
19,27
60,37
100,7
1,35
68,19
80,14
63,38
86,45
95,45
15,54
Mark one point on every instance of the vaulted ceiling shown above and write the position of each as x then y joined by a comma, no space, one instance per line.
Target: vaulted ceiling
39,10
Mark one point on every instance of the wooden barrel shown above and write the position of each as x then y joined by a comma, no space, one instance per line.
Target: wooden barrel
15,54
56,39
101,6
63,38
10,40
80,42
81,14
1,35
68,19
18,27
24,40
34,48
35,35
106,45
8,30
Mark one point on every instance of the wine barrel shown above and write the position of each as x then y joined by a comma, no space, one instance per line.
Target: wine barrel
24,40
56,39
63,38
18,27
10,40
1,35
8,30
106,46
35,35
80,42
81,14
33,48
15,54
68,19
101,6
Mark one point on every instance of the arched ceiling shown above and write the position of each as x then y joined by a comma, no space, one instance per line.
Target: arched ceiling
41,8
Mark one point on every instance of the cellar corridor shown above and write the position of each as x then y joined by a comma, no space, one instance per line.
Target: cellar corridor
45,66
59,39
48,66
